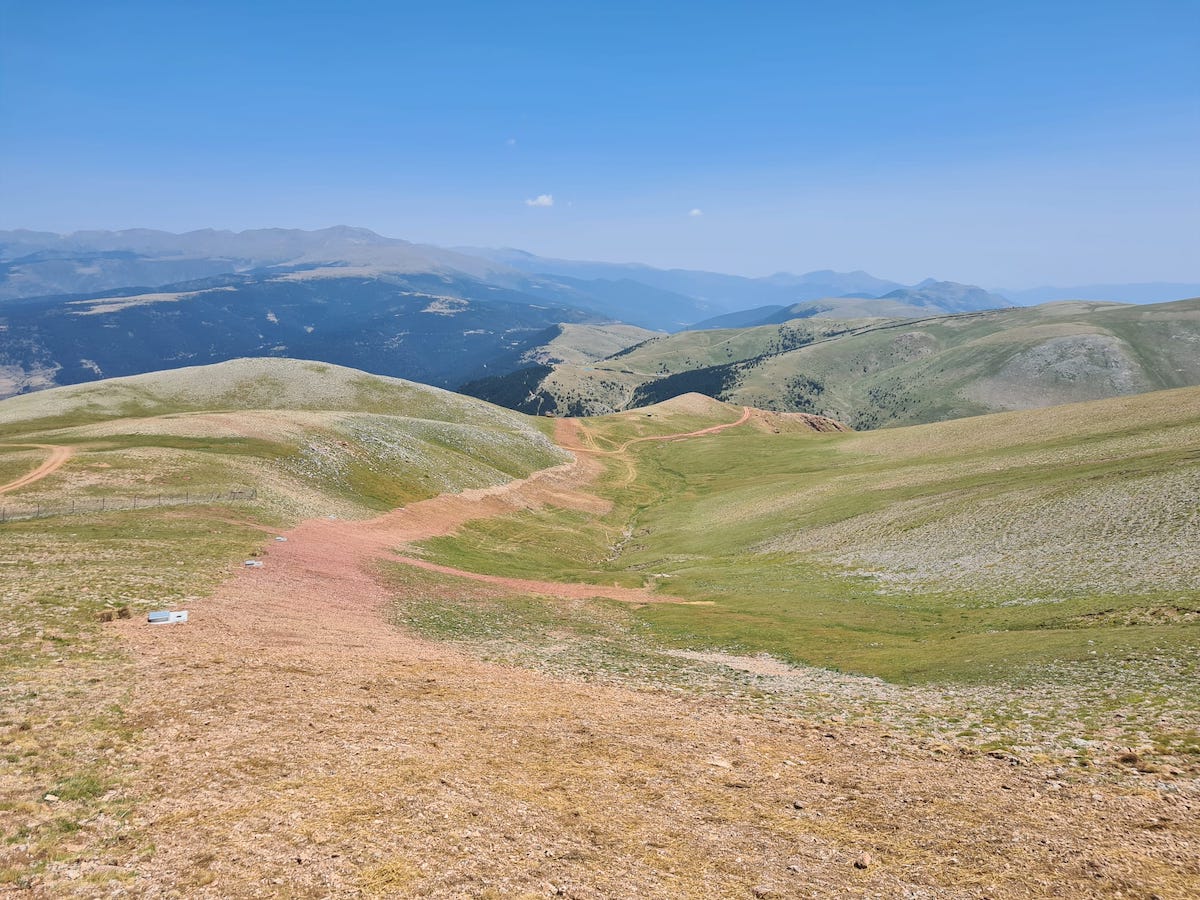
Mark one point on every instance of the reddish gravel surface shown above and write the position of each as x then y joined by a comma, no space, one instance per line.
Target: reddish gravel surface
297,745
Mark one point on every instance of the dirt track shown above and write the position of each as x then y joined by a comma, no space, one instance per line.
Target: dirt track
297,745
564,435
55,461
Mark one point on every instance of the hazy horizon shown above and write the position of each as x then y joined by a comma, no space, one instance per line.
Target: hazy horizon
1012,147
631,262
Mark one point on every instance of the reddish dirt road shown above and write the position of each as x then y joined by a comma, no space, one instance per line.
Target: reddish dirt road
55,461
295,744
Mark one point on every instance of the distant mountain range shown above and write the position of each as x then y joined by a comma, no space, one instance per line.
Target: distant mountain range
720,291
98,304
927,298
1144,292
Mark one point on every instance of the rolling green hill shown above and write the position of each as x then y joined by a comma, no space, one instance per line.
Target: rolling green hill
309,437
873,373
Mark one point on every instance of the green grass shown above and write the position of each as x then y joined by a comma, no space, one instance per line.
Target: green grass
720,515
902,372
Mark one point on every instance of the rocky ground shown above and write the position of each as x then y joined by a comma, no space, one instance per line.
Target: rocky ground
292,742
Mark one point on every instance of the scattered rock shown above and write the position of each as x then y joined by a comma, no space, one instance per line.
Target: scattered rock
51,798
796,804
864,860
763,890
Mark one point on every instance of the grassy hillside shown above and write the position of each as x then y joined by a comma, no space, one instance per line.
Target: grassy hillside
582,344
309,436
873,373
313,440
1017,585
1017,548
607,385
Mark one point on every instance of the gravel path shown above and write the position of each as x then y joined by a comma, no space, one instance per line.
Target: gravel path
55,461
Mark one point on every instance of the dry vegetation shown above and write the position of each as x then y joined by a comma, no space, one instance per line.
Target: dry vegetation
338,724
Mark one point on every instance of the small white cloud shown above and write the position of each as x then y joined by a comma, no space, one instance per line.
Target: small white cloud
541,200
511,142
696,213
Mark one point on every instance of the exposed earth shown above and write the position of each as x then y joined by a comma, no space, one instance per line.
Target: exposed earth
296,744
55,461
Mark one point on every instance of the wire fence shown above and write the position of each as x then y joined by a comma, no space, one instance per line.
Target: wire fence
93,505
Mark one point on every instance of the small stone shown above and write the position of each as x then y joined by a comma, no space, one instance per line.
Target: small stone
763,890
863,861
796,804
51,798
795,869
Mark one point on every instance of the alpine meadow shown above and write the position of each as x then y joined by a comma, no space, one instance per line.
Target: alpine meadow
767,467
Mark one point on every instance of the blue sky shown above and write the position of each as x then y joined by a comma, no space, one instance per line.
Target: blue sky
1009,144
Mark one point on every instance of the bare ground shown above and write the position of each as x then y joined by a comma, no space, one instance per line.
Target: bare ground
55,461
296,745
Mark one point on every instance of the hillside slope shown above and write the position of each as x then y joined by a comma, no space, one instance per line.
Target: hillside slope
982,641
308,436
996,548
875,373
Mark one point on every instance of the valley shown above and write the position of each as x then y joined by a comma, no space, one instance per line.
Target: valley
570,337
880,372
960,654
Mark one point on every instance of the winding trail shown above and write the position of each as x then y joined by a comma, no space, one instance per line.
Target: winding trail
56,460
559,486
291,742
623,448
